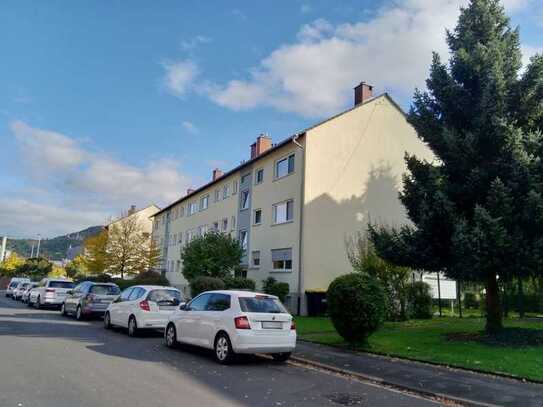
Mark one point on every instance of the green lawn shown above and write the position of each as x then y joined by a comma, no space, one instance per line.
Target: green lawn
426,340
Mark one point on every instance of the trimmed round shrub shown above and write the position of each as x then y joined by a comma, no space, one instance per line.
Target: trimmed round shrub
420,300
239,283
356,305
204,283
273,287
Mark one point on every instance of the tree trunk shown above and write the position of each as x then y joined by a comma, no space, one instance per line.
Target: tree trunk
494,321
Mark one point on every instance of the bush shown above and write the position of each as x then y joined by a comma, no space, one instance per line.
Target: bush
201,284
147,278
101,278
420,300
239,283
273,287
471,300
356,305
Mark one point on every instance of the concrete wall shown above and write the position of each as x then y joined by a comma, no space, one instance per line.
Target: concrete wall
353,169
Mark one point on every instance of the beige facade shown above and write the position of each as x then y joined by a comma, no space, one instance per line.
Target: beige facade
143,216
314,191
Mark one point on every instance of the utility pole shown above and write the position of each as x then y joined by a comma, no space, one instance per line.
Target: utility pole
32,251
38,249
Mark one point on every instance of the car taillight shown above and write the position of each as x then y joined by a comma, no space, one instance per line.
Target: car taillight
144,305
293,325
49,290
242,323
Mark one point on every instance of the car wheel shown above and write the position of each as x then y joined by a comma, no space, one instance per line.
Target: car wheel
107,321
37,303
79,313
28,303
281,357
224,353
170,336
132,326
63,310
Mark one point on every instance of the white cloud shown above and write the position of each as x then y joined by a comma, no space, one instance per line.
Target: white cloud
80,180
180,76
314,75
194,42
190,127
528,52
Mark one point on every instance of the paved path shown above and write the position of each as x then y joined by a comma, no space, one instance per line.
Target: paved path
484,389
47,360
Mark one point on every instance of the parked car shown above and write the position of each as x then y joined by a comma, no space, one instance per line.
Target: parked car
89,298
26,291
231,322
50,292
13,284
143,307
18,291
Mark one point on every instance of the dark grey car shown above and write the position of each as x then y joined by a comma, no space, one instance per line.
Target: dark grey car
89,299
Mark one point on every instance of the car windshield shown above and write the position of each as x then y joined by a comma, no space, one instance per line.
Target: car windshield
262,304
105,289
165,297
13,285
61,284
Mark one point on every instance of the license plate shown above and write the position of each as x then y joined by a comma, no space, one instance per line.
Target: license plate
272,325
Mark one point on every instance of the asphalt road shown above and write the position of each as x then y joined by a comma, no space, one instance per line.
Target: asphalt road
47,360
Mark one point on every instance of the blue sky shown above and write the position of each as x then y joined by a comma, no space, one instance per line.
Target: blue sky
104,104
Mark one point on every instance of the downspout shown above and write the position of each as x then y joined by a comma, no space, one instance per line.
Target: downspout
300,241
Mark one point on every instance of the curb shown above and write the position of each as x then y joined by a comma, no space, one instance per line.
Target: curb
391,385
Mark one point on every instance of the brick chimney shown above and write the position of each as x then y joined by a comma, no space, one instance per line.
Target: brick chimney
217,174
263,143
132,210
362,93
190,191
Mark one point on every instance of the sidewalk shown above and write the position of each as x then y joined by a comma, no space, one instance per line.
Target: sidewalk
463,386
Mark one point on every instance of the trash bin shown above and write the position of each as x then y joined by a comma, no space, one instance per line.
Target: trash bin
316,303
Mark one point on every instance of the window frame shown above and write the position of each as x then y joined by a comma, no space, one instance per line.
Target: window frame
255,223
274,212
244,246
287,158
203,199
253,259
257,172
283,269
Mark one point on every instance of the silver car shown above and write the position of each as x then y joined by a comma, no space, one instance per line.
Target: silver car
89,299
18,291
26,292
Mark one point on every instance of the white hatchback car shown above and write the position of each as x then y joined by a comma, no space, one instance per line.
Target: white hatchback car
231,322
143,307
50,292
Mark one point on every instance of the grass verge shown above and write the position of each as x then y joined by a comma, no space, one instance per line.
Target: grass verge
448,341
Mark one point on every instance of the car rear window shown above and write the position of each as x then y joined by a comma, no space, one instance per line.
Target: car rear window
165,297
104,289
262,304
61,284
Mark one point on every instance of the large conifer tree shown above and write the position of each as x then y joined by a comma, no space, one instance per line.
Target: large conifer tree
477,210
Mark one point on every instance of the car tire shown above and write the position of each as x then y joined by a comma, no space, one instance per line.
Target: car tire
170,336
281,357
63,310
132,326
224,353
37,304
79,314
28,303
107,321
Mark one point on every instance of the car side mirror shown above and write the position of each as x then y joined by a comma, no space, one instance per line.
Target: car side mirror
183,306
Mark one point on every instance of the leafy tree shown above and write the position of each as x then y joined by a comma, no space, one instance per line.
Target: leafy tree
152,256
95,258
57,272
77,267
35,268
11,264
213,255
477,210
394,279
128,248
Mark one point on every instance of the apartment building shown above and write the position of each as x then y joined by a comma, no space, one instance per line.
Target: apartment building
294,205
143,217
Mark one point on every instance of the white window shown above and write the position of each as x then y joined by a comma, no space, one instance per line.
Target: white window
163,219
282,259
245,199
284,166
204,203
259,176
245,178
217,195
193,208
243,237
233,225
174,242
283,212
235,188
225,224
257,217
182,211
225,191
256,258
